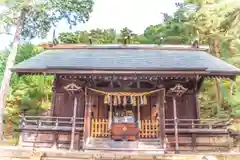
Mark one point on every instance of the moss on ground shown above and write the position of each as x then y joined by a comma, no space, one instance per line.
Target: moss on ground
228,157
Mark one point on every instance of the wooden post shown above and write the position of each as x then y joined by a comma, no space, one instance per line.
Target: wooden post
138,110
161,107
175,125
21,135
86,119
53,102
194,136
110,113
73,122
89,101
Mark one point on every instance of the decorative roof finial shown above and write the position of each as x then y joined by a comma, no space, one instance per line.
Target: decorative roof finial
195,43
55,41
125,40
90,39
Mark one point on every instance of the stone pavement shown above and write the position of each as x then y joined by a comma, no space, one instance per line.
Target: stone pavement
16,153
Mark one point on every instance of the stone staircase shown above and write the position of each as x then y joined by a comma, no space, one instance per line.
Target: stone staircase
139,145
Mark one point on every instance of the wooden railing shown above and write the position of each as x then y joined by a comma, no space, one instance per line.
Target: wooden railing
149,128
48,123
198,123
99,128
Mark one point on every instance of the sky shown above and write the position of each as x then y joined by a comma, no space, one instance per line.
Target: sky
134,14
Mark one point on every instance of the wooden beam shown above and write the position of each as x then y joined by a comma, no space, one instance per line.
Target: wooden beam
175,124
141,72
125,89
73,122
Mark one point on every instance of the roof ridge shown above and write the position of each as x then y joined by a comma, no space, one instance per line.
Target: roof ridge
127,46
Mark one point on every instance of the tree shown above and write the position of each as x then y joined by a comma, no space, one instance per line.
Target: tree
98,36
36,19
127,36
218,25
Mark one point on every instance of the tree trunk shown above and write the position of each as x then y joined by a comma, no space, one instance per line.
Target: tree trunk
230,53
217,48
218,96
7,73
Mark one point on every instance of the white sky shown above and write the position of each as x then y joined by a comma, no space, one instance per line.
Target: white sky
134,14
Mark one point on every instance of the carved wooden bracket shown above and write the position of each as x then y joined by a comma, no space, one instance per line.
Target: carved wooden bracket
178,90
73,88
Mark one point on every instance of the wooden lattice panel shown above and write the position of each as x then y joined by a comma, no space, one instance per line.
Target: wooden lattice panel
99,128
149,129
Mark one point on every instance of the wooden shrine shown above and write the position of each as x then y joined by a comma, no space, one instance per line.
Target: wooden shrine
125,98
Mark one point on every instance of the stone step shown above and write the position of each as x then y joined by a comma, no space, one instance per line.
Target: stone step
140,140
58,158
124,144
137,148
102,140
106,143
125,149
146,142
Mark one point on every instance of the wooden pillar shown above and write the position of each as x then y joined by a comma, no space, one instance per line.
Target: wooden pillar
194,142
89,111
110,113
21,135
53,102
86,118
197,116
161,107
73,122
138,112
175,125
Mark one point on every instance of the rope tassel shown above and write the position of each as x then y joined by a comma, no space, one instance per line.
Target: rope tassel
115,101
119,100
144,100
106,100
141,99
125,100
134,101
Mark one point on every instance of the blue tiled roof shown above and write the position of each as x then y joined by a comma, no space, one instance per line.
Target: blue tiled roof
126,59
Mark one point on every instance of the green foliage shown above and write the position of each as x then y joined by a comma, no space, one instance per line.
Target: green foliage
3,57
29,94
40,15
